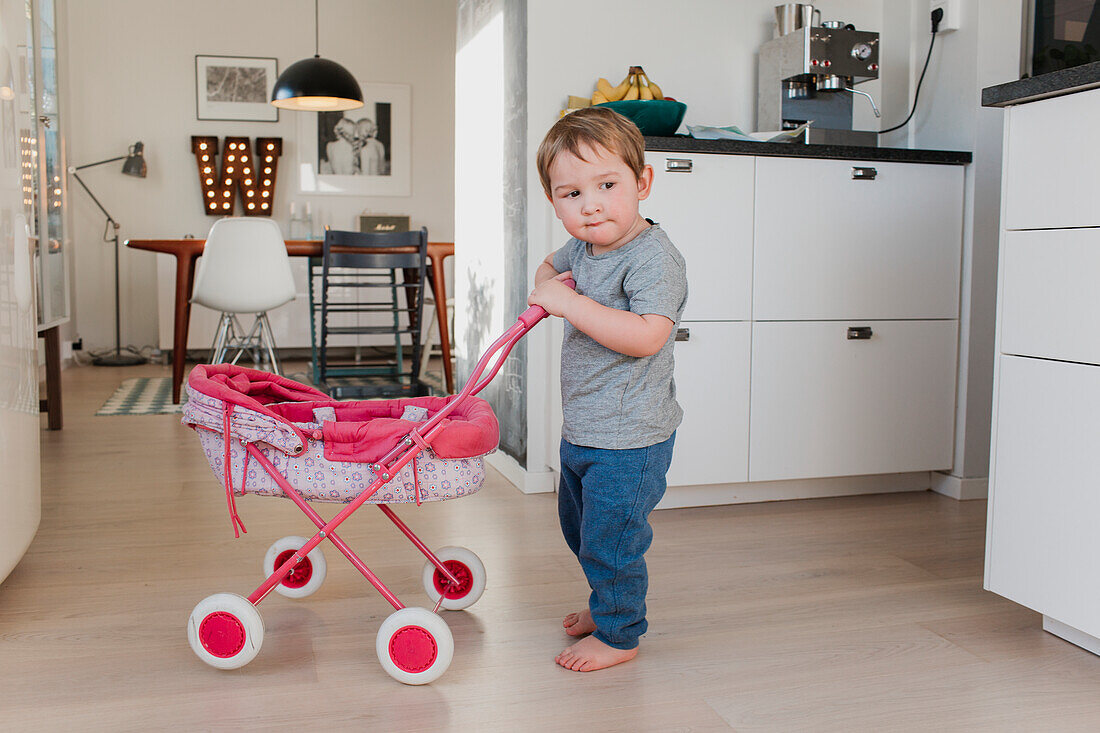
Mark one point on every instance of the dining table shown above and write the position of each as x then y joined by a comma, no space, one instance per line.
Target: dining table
188,250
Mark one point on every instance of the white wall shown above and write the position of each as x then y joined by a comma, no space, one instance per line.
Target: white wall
985,51
131,76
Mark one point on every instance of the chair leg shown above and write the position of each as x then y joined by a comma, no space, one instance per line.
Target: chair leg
399,353
221,339
267,339
426,347
236,333
249,342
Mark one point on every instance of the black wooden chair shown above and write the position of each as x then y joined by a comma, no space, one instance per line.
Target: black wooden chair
368,291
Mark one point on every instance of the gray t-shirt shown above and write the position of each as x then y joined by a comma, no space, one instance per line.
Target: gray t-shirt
611,400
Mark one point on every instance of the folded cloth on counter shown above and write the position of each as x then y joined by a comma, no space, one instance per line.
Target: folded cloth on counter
732,132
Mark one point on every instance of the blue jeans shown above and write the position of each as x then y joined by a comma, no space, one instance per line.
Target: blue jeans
604,500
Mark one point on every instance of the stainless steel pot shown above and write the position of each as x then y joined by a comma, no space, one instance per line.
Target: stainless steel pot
790,17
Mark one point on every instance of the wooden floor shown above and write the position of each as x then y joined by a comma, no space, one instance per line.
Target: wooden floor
862,614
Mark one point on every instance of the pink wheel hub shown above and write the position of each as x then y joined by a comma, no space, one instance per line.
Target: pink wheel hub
299,575
413,649
222,634
462,574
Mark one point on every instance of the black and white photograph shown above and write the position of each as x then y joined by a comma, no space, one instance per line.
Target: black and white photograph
235,88
363,151
355,142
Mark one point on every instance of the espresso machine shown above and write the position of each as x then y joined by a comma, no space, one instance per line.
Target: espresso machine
807,75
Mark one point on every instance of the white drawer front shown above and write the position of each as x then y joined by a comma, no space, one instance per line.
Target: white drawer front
705,205
1050,171
1050,302
830,246
1044,490
712,385
824,405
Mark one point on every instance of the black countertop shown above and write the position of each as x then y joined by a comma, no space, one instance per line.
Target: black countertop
1053,84
684,144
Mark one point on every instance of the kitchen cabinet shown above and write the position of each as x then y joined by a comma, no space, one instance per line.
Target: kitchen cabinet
856,239
846,398
1050,180
823,313
837,241
712,386
722,289
1041,542
1044,502
712,362
1049,298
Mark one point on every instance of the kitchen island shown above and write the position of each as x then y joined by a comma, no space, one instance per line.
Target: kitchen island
1041,541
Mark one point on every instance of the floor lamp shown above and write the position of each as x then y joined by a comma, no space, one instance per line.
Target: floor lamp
134,166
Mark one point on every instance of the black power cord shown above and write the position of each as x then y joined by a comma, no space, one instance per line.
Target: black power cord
937,16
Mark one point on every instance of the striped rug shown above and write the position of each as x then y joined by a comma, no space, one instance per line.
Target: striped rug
142,396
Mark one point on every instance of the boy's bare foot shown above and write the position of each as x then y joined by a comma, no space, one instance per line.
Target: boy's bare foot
579,624
590,654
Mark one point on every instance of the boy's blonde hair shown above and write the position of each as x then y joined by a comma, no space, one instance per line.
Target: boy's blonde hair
592,127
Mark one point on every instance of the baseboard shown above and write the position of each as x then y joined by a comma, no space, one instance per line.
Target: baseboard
529,482
1072,635
957,487
538,482
749,493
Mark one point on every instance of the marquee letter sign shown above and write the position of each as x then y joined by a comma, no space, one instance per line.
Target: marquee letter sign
241,168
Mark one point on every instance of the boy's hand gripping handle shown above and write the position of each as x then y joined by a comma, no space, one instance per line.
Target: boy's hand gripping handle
536,313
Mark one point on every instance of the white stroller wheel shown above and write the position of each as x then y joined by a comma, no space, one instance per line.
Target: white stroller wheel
414,646
467,569
306,577
225,631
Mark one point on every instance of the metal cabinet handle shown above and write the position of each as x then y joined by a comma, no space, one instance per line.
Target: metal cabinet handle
678,165
864,174
683,334
859,333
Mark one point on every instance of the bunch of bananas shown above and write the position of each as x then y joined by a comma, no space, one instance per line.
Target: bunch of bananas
636,85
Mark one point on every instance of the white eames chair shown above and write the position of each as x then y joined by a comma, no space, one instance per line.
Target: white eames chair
244,268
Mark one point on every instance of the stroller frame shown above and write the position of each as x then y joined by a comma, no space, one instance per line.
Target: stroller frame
414,645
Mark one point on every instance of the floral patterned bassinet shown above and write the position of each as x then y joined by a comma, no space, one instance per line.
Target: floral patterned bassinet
327,449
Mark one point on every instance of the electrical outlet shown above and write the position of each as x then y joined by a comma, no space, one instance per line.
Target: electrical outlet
952,14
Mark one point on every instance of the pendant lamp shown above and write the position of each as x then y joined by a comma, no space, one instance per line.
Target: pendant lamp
316,84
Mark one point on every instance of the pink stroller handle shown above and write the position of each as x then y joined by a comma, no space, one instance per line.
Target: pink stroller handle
536,313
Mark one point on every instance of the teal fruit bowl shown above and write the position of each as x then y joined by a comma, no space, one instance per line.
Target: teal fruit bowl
657,117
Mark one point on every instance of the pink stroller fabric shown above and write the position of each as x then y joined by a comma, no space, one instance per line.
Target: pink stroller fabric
326,448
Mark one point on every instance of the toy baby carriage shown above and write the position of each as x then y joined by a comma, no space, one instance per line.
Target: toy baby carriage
265,434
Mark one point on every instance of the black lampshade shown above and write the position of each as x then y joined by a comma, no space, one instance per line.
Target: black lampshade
135,161
316,85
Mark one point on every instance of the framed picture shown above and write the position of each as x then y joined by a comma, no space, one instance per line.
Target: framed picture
359,152
235,88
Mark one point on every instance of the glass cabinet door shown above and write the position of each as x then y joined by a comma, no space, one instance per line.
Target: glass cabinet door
49,170
20,487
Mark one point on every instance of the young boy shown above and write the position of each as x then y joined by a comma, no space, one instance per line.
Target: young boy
618,397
